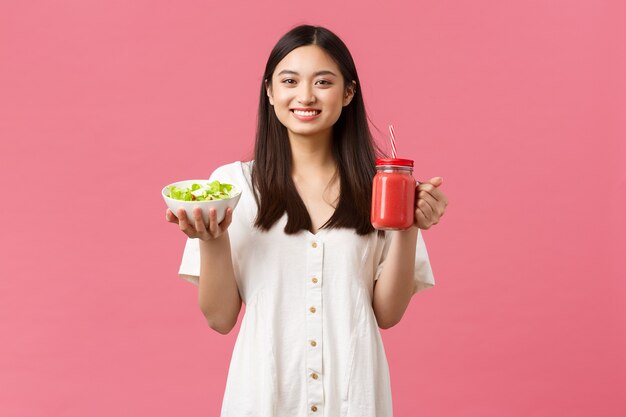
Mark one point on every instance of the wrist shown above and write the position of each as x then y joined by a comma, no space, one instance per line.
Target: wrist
406,237
221,239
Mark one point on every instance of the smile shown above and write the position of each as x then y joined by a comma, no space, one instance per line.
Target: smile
306,114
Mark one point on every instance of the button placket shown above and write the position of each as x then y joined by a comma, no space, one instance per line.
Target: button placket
314,336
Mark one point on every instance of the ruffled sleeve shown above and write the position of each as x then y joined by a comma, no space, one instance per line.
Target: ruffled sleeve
190,263
423,274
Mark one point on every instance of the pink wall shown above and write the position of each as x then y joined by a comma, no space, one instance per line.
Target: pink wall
518,105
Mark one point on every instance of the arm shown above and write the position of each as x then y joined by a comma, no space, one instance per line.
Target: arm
218,295
395,286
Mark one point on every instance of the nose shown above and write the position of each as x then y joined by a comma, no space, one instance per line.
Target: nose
305,94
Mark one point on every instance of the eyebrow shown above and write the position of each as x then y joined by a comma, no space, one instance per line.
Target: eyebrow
324,72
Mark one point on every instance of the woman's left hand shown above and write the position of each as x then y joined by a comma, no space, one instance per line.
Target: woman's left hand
430,203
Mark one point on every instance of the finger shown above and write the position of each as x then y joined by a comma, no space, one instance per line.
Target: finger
198,221
436,181
227,219
437,207
213,227
422,221
429,188
169,216
439,196
183,222
433,191
430,185
423,205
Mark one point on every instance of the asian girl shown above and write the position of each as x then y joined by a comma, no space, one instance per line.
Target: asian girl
299,250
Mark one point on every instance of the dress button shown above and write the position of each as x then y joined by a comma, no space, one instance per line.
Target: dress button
313,343
314,280
314,244
314,375
313,408
312,310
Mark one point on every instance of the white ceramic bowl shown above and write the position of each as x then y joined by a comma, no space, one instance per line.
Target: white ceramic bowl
219,205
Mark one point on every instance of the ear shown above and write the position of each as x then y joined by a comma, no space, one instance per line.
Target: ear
268,90
348,95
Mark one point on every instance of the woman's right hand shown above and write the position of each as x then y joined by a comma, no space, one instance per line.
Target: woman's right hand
196,228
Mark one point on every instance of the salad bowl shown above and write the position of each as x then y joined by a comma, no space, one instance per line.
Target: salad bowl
203,194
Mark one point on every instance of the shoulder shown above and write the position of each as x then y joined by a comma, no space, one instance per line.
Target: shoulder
233,171
239,174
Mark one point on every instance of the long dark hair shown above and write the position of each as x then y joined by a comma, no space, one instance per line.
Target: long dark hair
352,146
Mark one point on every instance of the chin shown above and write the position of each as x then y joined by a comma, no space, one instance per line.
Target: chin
308,132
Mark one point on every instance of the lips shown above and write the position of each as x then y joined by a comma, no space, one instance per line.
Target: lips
306,115
306,112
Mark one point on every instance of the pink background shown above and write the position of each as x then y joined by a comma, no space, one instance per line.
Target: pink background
518,105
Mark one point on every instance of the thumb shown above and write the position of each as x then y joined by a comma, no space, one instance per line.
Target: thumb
436,181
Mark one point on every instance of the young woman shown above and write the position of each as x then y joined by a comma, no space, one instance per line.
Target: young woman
299,250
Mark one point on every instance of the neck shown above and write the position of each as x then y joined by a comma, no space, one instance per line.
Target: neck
311,152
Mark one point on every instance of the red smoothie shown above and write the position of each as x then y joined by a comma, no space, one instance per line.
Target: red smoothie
393,195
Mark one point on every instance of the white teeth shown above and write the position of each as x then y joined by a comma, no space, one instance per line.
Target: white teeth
305,113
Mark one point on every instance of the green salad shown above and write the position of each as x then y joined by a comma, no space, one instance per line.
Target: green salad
198,192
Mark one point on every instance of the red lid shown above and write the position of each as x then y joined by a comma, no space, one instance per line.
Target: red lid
394,161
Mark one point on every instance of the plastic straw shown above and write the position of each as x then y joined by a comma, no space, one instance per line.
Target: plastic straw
394,152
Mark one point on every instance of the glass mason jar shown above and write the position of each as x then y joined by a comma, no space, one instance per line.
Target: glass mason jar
393,194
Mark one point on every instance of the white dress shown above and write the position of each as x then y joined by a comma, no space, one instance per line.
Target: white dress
309,343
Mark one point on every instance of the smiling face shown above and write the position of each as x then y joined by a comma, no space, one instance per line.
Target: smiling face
308,92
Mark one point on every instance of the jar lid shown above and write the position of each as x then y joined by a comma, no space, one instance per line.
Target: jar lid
394,161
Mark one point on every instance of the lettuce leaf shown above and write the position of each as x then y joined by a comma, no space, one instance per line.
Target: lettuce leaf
198,192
